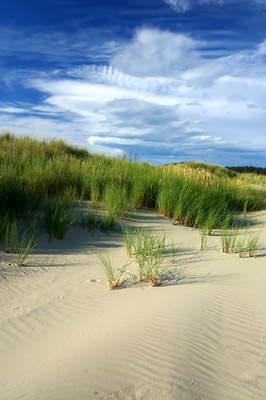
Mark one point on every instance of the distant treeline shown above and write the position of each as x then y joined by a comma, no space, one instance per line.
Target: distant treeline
249,169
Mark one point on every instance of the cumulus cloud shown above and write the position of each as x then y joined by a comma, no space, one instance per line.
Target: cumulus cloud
157,53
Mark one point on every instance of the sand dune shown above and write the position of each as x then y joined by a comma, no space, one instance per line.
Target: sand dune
200,335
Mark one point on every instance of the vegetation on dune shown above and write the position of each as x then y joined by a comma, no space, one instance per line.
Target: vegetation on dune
189,191
46,178
213,169
41,182
202,200
239,175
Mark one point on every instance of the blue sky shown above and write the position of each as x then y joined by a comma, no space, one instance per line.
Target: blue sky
166,80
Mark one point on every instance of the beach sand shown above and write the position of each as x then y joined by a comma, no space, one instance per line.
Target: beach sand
200,335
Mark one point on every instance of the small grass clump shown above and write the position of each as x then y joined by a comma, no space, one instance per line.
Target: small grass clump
145,243
155,267
228,239
148,251
241,245
112,274
253,244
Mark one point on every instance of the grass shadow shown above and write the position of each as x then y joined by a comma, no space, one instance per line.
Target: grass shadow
171,278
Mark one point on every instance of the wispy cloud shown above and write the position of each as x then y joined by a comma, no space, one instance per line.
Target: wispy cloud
179,5
182,6
187,106
56,46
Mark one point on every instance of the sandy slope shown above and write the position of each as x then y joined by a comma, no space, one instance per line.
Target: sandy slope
201,335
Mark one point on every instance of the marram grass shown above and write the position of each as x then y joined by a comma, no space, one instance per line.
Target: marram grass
113,274
196,194
148,250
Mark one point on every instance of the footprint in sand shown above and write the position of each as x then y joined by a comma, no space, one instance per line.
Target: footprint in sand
58,298
18,311
91,281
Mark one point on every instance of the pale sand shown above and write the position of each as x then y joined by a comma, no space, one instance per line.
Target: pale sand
201,335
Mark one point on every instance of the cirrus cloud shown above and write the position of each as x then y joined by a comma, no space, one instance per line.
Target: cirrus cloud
187,105
182,6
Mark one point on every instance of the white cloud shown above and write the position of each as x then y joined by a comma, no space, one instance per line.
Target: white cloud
92,140
81,94
184,5
109,151
261,50
159,95
179,5
156,53
13,110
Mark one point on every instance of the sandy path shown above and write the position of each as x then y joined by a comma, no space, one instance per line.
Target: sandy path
65,336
